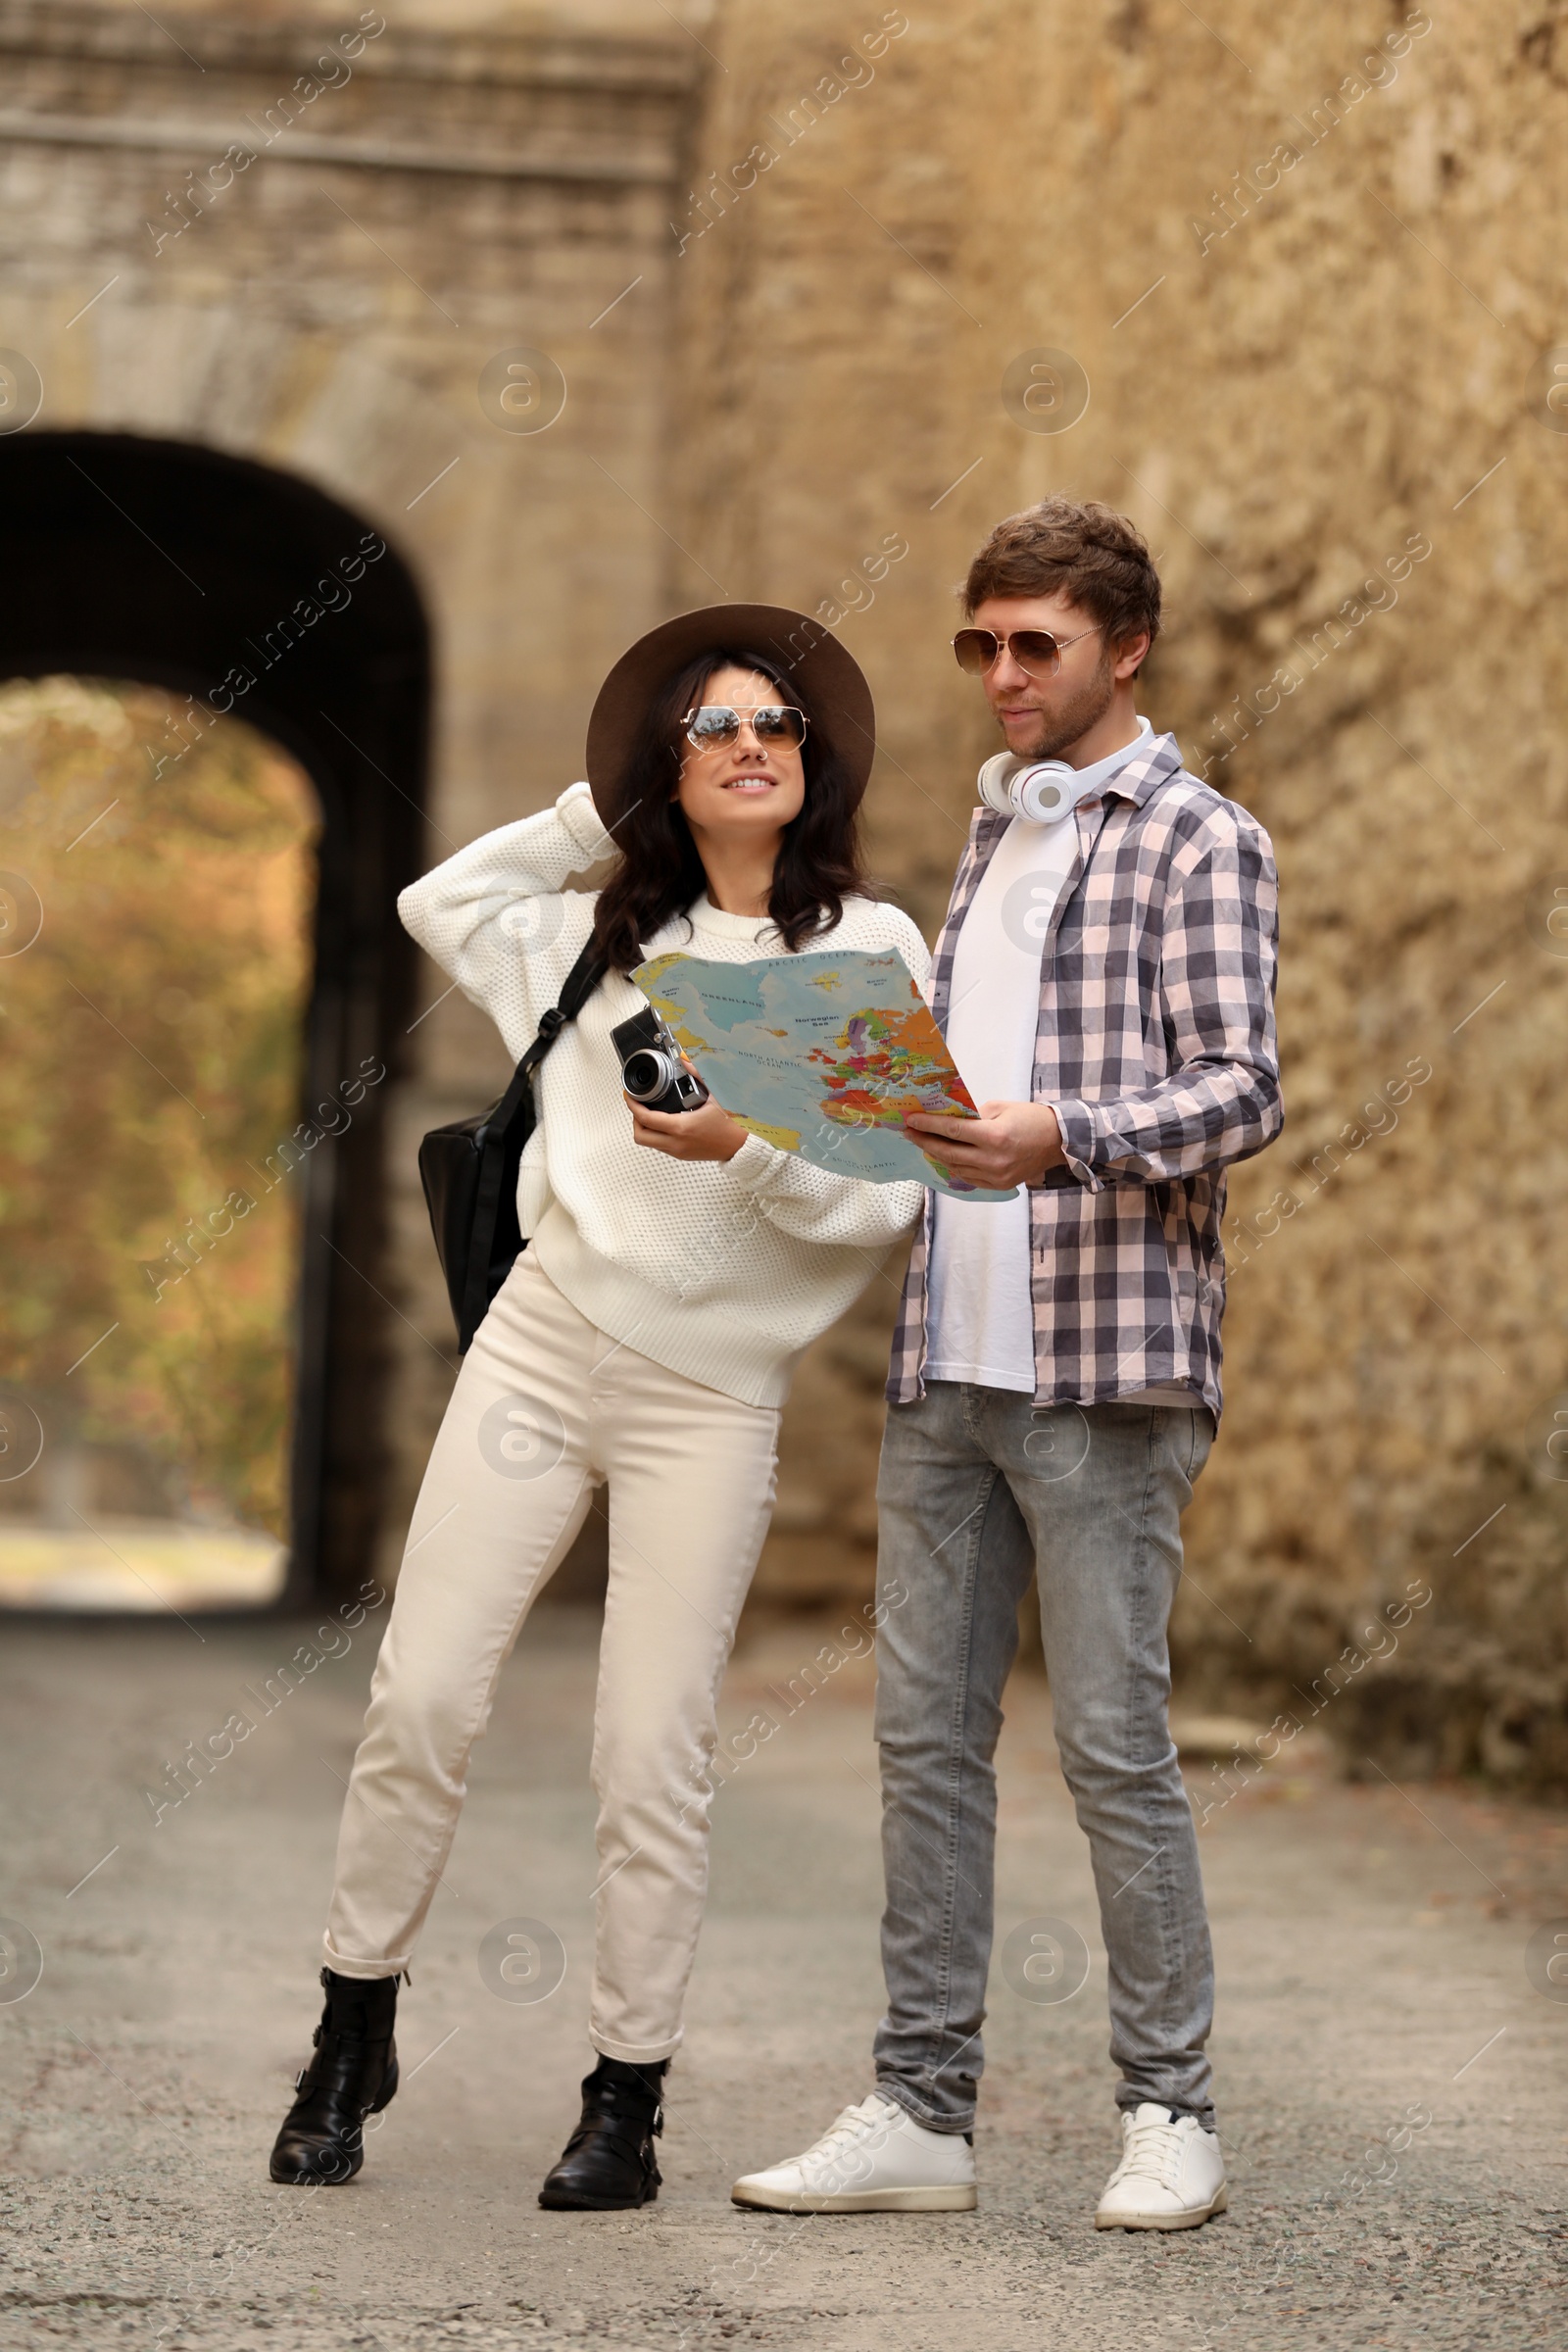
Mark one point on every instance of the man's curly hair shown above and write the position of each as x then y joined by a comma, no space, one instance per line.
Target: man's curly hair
1095,556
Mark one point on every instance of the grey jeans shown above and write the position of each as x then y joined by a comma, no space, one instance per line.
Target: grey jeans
978,1490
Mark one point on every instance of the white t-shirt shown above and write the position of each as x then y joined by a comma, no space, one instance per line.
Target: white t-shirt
980,1309
980,1324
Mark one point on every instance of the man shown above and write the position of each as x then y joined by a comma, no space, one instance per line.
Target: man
1104,981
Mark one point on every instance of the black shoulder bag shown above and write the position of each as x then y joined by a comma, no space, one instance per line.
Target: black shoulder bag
469,1169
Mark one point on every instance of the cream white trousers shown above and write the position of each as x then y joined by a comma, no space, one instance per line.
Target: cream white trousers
546,1408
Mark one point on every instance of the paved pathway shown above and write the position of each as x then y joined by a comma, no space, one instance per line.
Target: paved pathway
1391,2083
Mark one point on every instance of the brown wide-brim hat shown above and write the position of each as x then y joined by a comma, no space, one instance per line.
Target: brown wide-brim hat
831,680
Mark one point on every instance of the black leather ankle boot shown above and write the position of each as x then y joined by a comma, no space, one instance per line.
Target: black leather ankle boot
353,2074
609,2161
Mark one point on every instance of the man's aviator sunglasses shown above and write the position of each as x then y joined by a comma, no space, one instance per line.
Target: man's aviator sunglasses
715,727
1037,652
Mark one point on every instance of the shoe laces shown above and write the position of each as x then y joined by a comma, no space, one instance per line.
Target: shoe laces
849,2129
1153,2152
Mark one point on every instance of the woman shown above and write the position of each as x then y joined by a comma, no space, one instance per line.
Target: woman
676,1266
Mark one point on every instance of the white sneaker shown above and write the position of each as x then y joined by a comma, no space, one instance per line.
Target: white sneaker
1171,2174
875,2159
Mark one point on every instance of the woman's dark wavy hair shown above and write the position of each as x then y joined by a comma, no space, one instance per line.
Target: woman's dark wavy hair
660,873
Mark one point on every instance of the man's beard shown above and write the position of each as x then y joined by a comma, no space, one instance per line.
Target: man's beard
1061,727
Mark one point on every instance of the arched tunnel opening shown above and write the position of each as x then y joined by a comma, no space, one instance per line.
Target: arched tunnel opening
215,688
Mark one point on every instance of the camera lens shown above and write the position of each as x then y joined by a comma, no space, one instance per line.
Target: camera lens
644,1074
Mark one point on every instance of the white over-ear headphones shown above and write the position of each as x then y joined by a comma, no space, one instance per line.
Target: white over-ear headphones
1042,791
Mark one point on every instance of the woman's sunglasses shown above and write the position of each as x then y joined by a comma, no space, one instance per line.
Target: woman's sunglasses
715,727
1037,652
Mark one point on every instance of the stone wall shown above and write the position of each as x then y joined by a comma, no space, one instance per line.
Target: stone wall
1284,287
1301,265
427,190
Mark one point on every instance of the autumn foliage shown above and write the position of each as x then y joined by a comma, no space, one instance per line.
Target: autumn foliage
155,965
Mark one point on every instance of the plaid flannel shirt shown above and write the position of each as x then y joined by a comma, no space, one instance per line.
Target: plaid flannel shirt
1156,1048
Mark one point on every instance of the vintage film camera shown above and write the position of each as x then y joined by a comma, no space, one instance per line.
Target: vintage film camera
651,1068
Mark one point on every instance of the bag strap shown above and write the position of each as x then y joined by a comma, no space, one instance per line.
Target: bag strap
579,985
575,990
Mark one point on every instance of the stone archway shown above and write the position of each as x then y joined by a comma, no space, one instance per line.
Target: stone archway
245,589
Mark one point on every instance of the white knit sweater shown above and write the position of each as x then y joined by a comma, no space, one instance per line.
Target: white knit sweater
722,1271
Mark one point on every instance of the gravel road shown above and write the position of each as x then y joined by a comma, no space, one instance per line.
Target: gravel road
1390,2078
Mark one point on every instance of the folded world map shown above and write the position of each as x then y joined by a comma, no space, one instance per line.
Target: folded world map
820,1054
